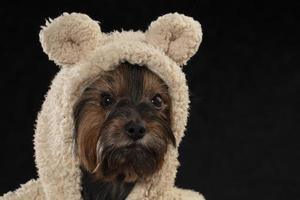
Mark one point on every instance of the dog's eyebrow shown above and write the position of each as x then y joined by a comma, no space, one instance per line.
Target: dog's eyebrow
109,79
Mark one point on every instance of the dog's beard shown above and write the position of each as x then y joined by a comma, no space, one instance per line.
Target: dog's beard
129,162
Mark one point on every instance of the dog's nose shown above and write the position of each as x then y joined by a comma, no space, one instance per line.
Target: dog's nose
135,130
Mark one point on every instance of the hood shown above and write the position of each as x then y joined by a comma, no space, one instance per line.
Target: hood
76,44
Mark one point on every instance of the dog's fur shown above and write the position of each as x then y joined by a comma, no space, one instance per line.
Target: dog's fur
111,161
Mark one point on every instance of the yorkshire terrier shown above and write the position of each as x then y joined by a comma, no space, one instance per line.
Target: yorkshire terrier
122,131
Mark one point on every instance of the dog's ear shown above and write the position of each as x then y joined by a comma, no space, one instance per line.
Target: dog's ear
69,37
177,35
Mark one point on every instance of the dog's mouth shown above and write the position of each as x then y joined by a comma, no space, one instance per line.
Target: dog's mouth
128,163
134,146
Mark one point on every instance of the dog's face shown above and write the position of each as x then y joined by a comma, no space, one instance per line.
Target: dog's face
122,124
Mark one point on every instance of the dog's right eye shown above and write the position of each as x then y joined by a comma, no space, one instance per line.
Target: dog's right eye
106,100
157,101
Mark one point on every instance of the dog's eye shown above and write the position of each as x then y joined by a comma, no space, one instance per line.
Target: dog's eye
106,99
157,101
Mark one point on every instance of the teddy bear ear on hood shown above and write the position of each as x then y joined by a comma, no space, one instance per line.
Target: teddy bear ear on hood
177,35
69,37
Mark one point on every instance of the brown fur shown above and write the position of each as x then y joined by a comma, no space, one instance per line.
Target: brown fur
103,148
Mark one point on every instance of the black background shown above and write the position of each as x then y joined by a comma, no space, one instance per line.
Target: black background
242,139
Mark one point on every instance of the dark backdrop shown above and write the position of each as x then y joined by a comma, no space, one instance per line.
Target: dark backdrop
242,139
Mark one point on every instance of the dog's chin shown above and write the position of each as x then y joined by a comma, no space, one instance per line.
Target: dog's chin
129,163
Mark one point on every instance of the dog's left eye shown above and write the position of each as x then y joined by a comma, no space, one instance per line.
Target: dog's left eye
157,101
106,99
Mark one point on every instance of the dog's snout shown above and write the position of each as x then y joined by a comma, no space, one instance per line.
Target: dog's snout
135,130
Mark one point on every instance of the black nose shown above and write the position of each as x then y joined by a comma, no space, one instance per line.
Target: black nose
135,130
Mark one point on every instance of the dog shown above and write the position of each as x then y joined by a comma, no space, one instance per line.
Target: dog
122,130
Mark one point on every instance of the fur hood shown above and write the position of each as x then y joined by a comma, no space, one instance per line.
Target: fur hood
75,43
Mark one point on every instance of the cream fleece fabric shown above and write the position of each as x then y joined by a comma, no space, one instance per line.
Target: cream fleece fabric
75,42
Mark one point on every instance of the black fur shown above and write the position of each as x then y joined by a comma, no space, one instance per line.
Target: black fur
98,190
135,82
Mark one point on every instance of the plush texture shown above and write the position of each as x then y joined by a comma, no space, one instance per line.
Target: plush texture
75,42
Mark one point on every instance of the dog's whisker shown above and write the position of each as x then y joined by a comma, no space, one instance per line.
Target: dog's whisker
96,168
